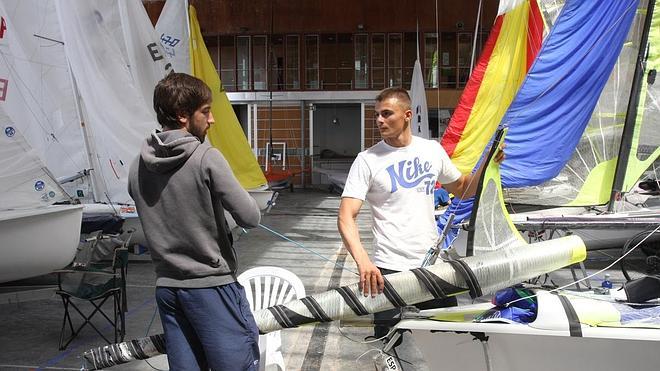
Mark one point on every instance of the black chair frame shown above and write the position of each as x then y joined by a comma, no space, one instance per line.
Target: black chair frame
114,288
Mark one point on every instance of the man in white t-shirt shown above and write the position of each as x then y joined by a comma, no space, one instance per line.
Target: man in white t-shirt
397,177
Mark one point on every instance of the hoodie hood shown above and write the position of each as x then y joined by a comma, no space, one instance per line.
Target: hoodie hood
165,151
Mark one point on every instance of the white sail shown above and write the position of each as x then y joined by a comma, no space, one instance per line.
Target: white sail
41,100
146,58
174,31
117,117
420,119
24,180
36,237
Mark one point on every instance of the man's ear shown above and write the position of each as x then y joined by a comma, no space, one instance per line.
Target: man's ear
182,120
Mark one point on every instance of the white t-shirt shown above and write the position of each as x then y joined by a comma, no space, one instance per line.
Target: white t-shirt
398,183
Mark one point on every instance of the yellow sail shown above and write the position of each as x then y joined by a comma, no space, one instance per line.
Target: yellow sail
227,134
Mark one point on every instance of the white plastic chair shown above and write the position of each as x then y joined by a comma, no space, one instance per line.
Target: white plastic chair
266,287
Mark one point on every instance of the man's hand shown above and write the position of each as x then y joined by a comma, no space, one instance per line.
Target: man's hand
371,281
499,155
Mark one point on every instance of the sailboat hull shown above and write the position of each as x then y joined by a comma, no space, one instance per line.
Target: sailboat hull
265,200
126,212
37,241
264,197
602,231
518,347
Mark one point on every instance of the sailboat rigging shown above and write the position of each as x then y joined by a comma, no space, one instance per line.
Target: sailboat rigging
625,147
37,235
523,162
616,133
591,322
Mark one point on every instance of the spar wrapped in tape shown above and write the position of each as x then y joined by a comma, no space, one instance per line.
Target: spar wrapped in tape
478,275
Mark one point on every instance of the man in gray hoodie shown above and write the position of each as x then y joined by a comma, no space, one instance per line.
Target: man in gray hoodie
182,187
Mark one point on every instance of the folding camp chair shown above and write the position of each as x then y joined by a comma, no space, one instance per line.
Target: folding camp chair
94,280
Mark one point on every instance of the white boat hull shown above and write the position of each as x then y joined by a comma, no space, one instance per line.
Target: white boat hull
265,199
514,347
38,241
126,212
602,231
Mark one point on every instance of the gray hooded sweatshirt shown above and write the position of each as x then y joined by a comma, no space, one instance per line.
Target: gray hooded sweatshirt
181,188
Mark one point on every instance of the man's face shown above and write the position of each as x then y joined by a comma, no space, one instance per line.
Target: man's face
200,121
392,119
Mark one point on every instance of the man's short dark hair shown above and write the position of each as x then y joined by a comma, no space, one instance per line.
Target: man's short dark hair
179,94
400,93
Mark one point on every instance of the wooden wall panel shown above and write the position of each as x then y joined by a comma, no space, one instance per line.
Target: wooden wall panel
443,98
343,16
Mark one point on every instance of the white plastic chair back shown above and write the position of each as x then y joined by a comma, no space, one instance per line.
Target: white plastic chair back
266,287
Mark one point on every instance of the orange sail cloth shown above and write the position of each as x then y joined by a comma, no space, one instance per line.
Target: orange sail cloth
510,50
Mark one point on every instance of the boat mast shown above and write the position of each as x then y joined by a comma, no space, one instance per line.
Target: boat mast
44,168
474,36
95,166
271,67
631,113
91,154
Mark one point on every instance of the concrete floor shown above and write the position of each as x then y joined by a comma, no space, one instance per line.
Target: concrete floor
30,320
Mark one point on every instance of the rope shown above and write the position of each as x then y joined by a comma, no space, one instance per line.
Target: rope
560,288
298,244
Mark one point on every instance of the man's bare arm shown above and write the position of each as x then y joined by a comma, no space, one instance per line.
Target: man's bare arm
371,281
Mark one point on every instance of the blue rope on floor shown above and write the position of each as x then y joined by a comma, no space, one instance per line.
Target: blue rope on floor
305,248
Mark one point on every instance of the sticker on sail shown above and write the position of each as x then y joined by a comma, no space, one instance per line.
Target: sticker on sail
3,89
39,185
10,131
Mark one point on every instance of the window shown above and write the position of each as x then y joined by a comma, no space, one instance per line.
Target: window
345,61
448,58
260,62
431,60
243,62
342,61
277,62
292,62
409,57
228,63
378,61
214,51
312,62
328,61
464,57
394,59
361,61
